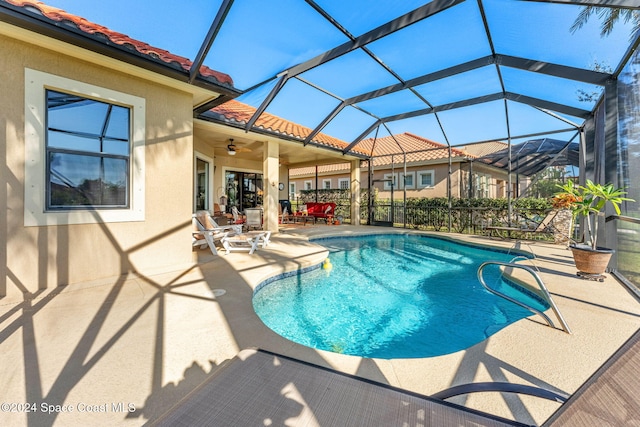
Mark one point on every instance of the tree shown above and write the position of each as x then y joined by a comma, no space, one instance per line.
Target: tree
609,16
583,95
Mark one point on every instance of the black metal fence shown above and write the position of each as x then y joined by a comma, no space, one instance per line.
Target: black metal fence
469,220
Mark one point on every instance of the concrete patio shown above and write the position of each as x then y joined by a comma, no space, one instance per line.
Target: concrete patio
123,351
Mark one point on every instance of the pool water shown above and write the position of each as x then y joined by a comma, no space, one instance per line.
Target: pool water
393,296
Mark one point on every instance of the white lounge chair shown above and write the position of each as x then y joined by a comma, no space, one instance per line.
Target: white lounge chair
209,223
265,238
244,242
203,237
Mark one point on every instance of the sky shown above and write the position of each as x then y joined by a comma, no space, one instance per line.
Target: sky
261,38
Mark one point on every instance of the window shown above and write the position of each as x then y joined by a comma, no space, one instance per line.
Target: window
84,150
203,182
426,179
307,185
388,179
87,153
326,184
482,184
292,191
343,183
409,180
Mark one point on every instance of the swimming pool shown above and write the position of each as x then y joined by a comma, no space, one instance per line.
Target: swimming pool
392,296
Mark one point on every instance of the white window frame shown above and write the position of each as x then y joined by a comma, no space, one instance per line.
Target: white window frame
35,212
209,196
292,191
483,185
420,174
343,180
308,185
324,184
401,180
386,185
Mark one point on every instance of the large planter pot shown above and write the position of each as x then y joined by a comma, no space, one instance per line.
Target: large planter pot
591,261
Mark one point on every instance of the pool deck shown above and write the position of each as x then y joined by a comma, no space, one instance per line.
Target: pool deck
89,352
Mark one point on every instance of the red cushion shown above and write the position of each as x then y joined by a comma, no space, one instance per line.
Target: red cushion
320,209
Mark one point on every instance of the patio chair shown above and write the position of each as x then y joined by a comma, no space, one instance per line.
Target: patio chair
265,237
543,227
259,385
238,218
244,242
283,215
253,218
210,223
203,236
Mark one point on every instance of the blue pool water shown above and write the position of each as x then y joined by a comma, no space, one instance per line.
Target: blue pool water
392,296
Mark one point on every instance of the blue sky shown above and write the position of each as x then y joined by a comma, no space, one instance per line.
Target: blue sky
261,38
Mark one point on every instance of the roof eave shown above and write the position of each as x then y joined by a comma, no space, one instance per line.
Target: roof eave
66,33
212,117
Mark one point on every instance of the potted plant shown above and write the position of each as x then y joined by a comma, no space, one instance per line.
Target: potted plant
590,201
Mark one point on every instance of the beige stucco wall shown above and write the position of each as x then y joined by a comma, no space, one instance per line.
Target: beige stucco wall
459,180
438,190
46,257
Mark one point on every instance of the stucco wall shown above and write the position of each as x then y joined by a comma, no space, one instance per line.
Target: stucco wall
46,257
438,190
459,180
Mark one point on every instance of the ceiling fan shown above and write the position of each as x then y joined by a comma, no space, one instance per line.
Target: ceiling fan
232,149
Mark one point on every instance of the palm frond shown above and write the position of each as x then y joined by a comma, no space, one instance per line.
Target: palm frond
609,16
582,18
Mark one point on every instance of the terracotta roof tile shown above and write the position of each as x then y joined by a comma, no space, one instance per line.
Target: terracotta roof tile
484,148
418,149
120,39
387,149
311,170
238,112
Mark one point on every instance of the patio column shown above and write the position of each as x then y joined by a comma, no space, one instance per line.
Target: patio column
355,192
270,169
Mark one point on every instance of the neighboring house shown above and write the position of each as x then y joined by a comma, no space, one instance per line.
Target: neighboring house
427,169
104,162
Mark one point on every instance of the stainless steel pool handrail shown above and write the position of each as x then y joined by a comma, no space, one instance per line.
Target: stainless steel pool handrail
543,289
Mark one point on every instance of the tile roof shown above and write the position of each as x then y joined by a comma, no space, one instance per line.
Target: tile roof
234,111
484,148
92,29
418,149
386,151
322,169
